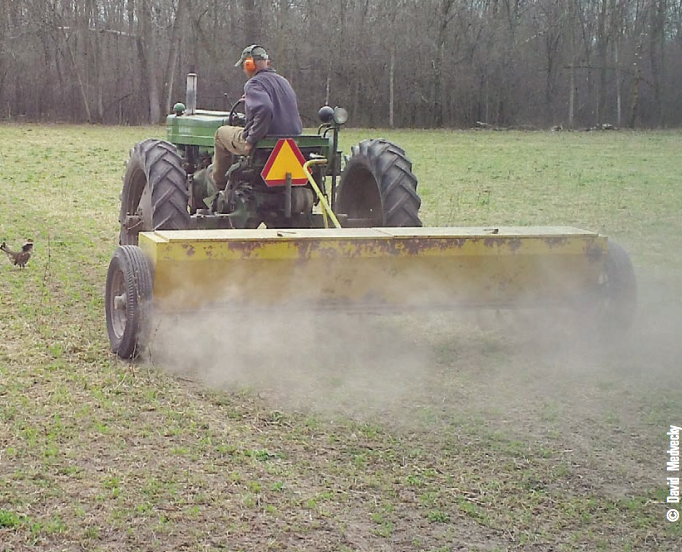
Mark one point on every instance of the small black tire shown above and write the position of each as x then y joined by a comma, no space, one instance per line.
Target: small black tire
128,301
617,300
377,184
154,172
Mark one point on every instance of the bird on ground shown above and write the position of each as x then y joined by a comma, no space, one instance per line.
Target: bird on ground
18,258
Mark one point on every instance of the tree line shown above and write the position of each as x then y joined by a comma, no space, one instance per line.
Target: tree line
391,63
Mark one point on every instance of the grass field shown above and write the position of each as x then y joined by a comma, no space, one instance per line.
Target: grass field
465,431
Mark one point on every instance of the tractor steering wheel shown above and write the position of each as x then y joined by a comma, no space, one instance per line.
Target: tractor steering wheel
237,118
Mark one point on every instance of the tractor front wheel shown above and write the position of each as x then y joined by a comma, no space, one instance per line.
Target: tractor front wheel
128,300
377,187
155,193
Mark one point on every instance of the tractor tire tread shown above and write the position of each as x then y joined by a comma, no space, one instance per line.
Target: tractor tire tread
392,171
156,164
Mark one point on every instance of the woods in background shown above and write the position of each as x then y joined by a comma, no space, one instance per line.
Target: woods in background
402,63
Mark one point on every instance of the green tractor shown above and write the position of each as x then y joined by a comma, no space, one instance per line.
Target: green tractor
168,185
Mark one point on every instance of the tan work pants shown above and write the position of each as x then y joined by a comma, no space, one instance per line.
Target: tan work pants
228,140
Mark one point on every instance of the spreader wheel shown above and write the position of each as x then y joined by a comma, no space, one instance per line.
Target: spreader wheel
155,193
377,186
617,300
128,301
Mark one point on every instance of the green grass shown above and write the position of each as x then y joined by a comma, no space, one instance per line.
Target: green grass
425,432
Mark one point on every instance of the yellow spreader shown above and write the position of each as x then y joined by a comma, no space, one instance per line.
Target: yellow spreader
372,267
368,269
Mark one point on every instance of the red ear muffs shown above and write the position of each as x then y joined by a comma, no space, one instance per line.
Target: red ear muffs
249,64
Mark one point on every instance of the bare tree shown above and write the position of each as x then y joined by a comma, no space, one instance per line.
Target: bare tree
443,19
658,17
177,27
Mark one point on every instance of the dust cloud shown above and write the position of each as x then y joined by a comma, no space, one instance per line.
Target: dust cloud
531,386
311,360
524,369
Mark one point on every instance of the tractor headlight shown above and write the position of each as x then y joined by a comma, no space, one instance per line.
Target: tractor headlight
340,115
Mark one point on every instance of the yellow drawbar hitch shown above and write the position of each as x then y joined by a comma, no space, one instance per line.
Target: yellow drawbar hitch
326,209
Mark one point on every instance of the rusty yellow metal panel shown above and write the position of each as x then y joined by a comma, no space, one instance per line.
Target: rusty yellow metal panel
374,267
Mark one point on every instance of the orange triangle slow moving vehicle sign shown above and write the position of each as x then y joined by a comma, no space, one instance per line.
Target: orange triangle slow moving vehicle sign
285,158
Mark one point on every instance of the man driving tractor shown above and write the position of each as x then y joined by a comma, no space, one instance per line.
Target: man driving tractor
270,107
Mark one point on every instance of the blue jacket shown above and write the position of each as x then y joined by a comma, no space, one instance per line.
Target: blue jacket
271,107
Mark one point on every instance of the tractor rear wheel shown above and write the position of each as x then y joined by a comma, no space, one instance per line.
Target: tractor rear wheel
617,300
377,186
128,300
155,193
